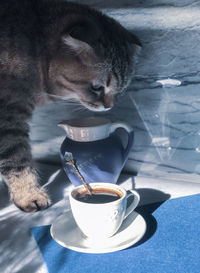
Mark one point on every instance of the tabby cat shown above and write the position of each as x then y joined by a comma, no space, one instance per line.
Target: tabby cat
53,49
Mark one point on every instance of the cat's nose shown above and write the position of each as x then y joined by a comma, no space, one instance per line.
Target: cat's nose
108,101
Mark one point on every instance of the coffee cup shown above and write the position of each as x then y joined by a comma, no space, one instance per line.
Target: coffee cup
100,216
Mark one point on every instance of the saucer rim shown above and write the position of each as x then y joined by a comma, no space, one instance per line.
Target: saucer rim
97,250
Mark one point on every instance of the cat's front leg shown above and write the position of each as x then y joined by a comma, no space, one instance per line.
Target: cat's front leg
25,191
16,160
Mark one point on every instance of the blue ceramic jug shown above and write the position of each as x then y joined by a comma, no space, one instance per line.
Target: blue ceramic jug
96,148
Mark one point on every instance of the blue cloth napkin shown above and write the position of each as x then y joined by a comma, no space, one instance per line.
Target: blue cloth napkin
170,245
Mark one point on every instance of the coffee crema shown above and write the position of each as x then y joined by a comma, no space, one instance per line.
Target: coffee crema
99,196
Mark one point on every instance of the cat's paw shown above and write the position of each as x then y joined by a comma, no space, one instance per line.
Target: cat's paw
32,200
25,191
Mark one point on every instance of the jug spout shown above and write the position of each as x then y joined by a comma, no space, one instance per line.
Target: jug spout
63,125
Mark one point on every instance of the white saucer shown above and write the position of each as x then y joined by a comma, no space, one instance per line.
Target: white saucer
65,232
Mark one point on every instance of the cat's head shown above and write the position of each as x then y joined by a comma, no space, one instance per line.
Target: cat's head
93,62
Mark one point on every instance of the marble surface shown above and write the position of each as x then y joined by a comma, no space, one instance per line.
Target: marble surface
165,118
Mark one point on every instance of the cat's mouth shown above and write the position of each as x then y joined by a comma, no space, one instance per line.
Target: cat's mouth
95,107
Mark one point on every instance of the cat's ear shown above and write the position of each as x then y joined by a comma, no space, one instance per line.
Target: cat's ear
133,39
76,45
135,46
80,38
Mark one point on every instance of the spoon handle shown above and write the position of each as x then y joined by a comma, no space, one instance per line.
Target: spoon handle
69,160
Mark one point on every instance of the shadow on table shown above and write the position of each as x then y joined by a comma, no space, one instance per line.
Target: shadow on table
111,4
4,195
54,180
147,210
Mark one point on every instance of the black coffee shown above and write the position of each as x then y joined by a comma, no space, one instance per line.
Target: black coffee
98,197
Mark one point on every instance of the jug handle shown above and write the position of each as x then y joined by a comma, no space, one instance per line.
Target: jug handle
128,129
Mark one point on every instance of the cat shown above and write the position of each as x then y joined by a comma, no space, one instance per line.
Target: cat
53,49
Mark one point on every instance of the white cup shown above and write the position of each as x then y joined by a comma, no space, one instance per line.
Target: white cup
102,220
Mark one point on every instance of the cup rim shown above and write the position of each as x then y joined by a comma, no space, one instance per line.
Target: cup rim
80,123
103,184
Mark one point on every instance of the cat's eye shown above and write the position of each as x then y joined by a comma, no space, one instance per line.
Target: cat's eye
97,88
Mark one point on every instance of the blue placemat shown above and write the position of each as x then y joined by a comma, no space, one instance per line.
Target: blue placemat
171,244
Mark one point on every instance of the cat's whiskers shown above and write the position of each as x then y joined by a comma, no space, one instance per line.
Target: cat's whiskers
77,106
65,99
80,110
